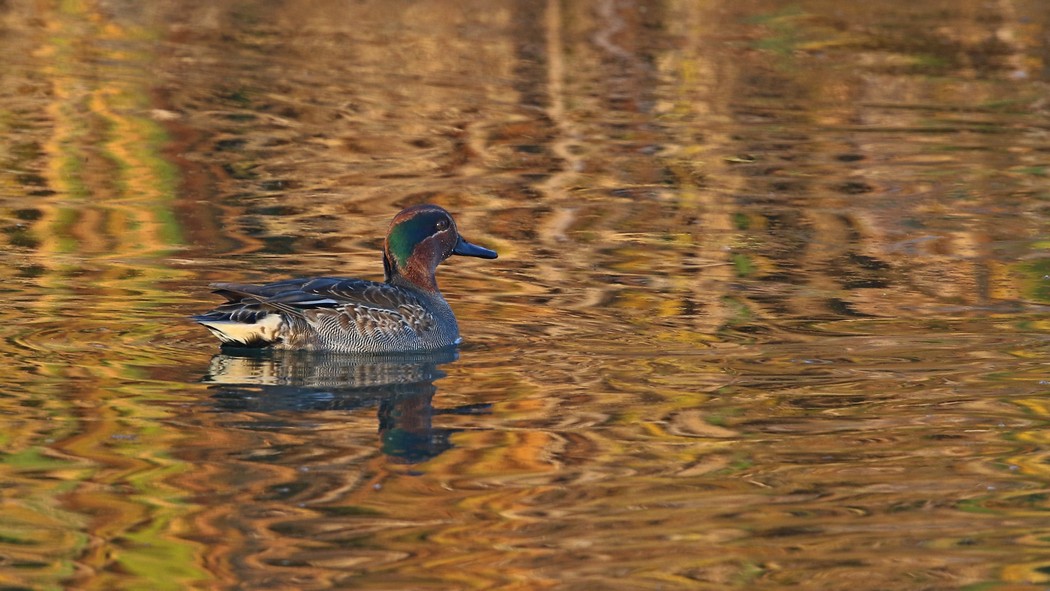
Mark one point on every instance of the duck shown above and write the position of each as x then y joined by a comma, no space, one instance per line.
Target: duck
404,313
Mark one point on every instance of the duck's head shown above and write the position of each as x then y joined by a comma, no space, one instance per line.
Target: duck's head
419,238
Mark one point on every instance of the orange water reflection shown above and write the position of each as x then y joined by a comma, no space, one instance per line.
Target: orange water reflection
770,307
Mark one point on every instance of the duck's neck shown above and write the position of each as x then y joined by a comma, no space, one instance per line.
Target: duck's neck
414,275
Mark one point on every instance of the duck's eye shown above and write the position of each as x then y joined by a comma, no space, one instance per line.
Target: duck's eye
441,225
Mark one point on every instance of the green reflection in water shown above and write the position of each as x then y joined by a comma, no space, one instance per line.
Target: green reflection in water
1036,279
94,509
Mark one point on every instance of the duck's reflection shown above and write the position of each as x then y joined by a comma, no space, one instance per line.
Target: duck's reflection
400,386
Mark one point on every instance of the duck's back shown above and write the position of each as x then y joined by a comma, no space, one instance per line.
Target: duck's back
332,314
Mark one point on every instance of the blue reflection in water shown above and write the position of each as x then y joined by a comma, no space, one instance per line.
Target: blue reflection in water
401,386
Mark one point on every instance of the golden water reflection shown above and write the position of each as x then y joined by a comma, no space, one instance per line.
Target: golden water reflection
769,312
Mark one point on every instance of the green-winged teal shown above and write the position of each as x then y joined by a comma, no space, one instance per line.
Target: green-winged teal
405,313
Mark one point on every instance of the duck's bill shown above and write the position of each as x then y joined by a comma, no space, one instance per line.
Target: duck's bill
464,248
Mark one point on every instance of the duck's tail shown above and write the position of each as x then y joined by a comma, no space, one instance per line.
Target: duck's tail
260,331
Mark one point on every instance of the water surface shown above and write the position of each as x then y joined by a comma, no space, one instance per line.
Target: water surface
770,309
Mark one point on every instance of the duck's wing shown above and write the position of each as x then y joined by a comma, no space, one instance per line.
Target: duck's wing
331,307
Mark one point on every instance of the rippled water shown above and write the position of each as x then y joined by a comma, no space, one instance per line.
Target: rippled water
770,309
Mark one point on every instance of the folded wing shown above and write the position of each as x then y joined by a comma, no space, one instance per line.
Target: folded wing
325,312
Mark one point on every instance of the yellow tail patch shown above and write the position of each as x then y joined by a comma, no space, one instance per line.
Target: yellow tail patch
263,331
